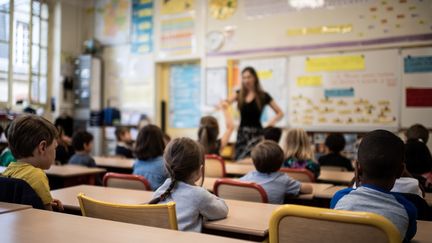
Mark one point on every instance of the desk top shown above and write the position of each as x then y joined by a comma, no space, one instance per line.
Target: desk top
12,207
238,220
424,232
32,226
114,162
328,193
72,170
342,177
428,198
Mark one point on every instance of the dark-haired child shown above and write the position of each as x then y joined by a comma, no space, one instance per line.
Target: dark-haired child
32,141
184,161
272,133
335,143
418,132
82,141
124,140
268,157
149,149
6,156
380,163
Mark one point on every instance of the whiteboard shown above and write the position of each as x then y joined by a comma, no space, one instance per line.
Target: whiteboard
416,79
273,79
356,91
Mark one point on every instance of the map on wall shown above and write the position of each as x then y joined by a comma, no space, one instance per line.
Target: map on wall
112,19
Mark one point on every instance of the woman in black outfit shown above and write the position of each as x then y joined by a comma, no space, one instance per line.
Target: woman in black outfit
251,100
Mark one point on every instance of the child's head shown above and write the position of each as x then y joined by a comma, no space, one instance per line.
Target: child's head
335,142
272,133
381,157
82,141
267,156
150,143
123,134
184,160
298,145
208,133
33,139
418,131
418,157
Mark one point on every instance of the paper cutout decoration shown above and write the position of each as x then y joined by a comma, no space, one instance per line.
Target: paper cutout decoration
339,92
418,64
335,63
222,9
319,30
418,97
176,6
303,81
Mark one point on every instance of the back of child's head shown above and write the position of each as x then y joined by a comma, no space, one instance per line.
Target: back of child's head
381,155
26,132
208,133
183,157
297,144
272,133
418,131
335,142
150,143
418,157
81,138
267,156
120,131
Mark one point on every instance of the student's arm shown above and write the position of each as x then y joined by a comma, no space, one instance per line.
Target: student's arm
212,207
232,98
278,111
306,188
229,123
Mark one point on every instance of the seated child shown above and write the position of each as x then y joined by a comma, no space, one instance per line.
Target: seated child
124,141
149,149
32,141
6,156
418,132
268,157
299,153
335,143
272,133
208,132
82,142
64,149
380,163
184,161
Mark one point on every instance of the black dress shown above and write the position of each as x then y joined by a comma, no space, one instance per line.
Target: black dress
250,130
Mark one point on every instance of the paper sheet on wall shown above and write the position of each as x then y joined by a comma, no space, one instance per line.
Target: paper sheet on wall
112,21
216,86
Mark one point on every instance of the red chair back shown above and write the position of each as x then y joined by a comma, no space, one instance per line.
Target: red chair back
214,166
300,174
127,181
239,190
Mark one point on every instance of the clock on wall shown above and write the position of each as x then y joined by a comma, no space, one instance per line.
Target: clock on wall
214,41
222,9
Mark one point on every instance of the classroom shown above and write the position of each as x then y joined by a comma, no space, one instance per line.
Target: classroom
216,121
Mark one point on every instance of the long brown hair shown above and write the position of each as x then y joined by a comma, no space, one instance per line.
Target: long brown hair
183,156
297,145
208,133
259,92
150,143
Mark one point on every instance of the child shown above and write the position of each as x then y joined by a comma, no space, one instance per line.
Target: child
335,143
380,163
32,140
208,132
268,157
418,161
6,156
184,161
298,152
419,132
64,149
149,149
82,142
272,133
124,140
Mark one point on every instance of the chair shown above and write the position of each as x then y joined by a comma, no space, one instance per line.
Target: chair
127,181
214,166
302,175
333,168
239,190
155,215
293,223
18,191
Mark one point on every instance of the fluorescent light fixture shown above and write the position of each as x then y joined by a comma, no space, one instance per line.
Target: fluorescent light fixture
300,4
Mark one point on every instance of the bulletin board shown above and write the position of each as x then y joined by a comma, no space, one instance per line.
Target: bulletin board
356,91
417,87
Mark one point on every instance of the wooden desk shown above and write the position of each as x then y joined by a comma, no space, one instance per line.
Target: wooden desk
238,169
71,175
338,177
329,192
42,226
428,198
115,164
424,232
12,207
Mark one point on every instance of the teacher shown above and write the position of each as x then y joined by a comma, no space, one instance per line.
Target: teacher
251,101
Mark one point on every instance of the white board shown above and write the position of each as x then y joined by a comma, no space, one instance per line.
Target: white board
273,78
362,90
417,79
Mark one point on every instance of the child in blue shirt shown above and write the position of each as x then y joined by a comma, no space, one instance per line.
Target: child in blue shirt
268,157
184,161
149,149
380,163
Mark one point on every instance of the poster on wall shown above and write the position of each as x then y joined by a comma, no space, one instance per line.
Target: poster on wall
216,86
184,104
142,26
112,21
273,79
356,91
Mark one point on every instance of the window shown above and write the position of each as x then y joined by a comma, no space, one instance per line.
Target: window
23,51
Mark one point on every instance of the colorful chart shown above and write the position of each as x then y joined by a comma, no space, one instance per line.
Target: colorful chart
142,26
